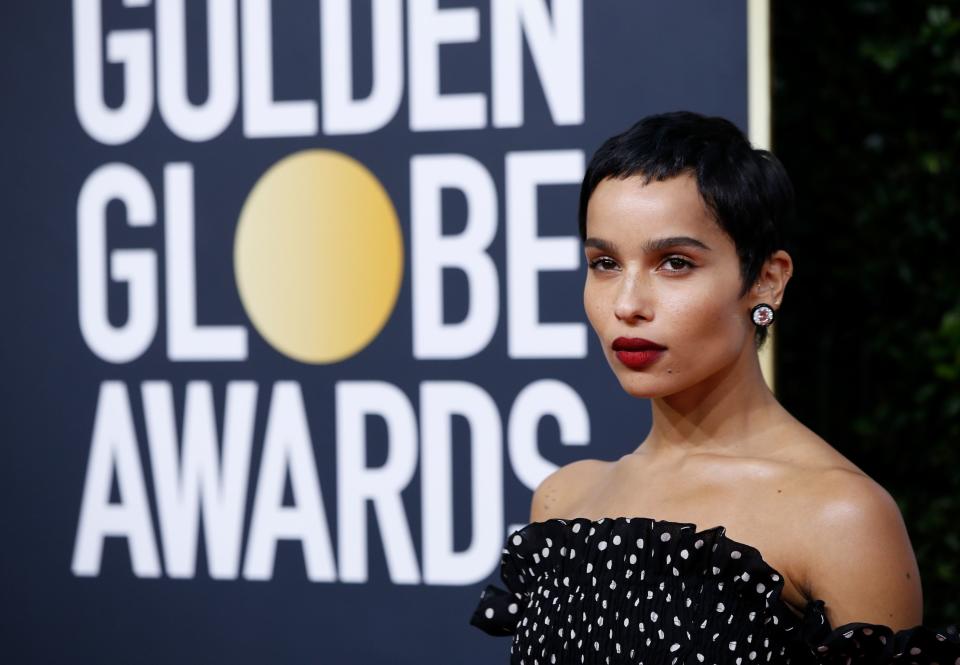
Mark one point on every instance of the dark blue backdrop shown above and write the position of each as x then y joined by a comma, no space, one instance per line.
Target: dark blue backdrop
638,58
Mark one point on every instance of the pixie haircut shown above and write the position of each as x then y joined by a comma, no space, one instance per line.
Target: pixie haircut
746,189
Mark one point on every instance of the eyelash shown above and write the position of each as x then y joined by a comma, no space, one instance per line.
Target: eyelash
595,263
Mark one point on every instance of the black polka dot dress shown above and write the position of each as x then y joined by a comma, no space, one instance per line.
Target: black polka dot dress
651,592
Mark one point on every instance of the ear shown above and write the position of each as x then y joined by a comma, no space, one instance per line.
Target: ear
773,279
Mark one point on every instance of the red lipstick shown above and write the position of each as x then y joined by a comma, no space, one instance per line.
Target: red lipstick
637,353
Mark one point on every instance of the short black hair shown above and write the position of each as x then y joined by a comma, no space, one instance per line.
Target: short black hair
747,189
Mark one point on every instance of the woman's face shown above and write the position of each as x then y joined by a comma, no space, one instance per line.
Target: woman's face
660,268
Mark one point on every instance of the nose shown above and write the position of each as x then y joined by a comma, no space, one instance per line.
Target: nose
634,300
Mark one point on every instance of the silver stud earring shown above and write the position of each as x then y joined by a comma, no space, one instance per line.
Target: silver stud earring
762,314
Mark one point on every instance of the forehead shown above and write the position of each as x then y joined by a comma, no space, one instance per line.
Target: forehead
627,209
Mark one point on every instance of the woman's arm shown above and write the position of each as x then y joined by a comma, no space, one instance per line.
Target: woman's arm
858,556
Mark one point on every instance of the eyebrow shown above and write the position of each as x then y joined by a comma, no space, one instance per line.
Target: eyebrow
656,245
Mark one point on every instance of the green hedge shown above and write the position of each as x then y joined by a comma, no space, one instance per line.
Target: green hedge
866,108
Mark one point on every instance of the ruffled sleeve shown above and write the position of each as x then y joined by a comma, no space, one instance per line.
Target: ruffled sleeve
498,611
858,643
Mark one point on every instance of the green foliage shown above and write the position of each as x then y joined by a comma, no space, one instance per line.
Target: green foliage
867,122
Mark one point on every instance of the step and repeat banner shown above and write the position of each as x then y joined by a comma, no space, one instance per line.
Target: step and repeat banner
293,315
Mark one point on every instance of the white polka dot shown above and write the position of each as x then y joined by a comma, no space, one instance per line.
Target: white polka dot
489,613
576,528
760,587
719,607
517,539
664,536
602,545
589,567
684,554
512,608
546,551
633,558
699,543
674,647
616,540
735,554
746,576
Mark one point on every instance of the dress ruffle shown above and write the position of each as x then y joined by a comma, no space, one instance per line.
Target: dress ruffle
718,568
670,549
498,611
869,643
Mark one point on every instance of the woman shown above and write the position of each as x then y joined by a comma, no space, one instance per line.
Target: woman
681,225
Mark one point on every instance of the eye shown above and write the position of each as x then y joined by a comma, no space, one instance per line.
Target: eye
603,260
677,261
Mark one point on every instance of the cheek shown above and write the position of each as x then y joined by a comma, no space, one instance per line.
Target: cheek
591,304
704,321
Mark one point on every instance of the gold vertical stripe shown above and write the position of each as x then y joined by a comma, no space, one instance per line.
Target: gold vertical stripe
758,119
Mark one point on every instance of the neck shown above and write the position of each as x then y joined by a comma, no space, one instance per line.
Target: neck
728,413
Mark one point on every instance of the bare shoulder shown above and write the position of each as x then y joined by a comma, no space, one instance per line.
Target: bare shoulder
857,552
563,487
842,500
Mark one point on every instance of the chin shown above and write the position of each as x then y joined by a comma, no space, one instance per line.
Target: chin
646,387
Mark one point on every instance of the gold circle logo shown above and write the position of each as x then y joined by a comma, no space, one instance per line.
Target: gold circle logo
318,256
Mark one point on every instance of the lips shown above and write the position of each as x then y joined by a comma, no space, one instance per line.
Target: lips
637,353
635,344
